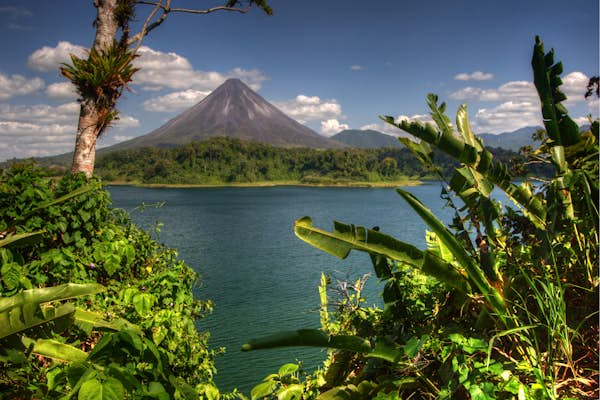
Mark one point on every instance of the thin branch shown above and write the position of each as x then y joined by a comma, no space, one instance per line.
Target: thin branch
193,10
147,26
165,6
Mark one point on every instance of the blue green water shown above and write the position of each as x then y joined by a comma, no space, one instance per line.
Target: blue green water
261,278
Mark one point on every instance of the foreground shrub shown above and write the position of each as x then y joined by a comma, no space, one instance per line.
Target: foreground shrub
504,301
137,338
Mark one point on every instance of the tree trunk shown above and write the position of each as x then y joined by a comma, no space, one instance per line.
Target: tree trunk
90,123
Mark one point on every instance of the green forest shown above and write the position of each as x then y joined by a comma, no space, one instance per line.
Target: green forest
222,161
501,304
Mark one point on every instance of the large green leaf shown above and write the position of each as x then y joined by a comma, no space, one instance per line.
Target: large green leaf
475,275
55,350
109,389
559,126
309,337
47,294
468,150
19,319
97,320
21,239
22,311
346,237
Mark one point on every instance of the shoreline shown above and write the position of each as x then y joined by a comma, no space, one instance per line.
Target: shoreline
409,182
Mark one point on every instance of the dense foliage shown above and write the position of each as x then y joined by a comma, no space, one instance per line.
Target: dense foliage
136,338
223,160
503,304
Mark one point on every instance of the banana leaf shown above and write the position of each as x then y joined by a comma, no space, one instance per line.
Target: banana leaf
475,275
23,311
345,238
469,150
19,319
21,239
47,294
559,126
55,350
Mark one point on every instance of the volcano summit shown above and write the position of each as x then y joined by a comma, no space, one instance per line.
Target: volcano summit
232,110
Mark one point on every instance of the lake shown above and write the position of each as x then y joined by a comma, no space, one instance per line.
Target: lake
261,278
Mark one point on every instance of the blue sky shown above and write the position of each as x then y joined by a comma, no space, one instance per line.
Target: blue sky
329,64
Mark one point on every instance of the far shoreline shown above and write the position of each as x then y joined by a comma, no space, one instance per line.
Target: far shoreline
358,184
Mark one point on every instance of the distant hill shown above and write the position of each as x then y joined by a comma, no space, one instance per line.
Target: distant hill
511,140
366,139
236,111
371,139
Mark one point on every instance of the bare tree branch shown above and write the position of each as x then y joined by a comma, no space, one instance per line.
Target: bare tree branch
165,6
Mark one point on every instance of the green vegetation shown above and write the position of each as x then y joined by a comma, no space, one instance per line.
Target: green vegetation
91,306
503,304
222,161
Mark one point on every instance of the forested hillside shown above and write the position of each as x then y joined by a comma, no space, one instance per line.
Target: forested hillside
226,161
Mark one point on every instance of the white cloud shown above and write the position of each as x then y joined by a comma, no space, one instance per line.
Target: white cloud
516,90
49,58
475,76
43,130
61,91
356,68
39,130
518,103
574,86
506,117
26,139
160,70
18,85
126,121
177,101
310,108
332,126
119,139
594,106
40,114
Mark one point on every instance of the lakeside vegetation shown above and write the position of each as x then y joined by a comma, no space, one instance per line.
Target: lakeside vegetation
226,161
503,304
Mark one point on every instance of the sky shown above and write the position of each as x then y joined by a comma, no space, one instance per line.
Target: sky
329,64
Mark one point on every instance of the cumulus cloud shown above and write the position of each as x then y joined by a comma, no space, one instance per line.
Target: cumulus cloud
506,117
310,108
332,126
574,86
42,130
126,121
356,68
61,91
120,138
516,90
594,106
160,70
49,58
18,85
475,76
177,101
517,103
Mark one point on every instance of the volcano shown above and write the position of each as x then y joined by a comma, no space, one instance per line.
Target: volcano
232,110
